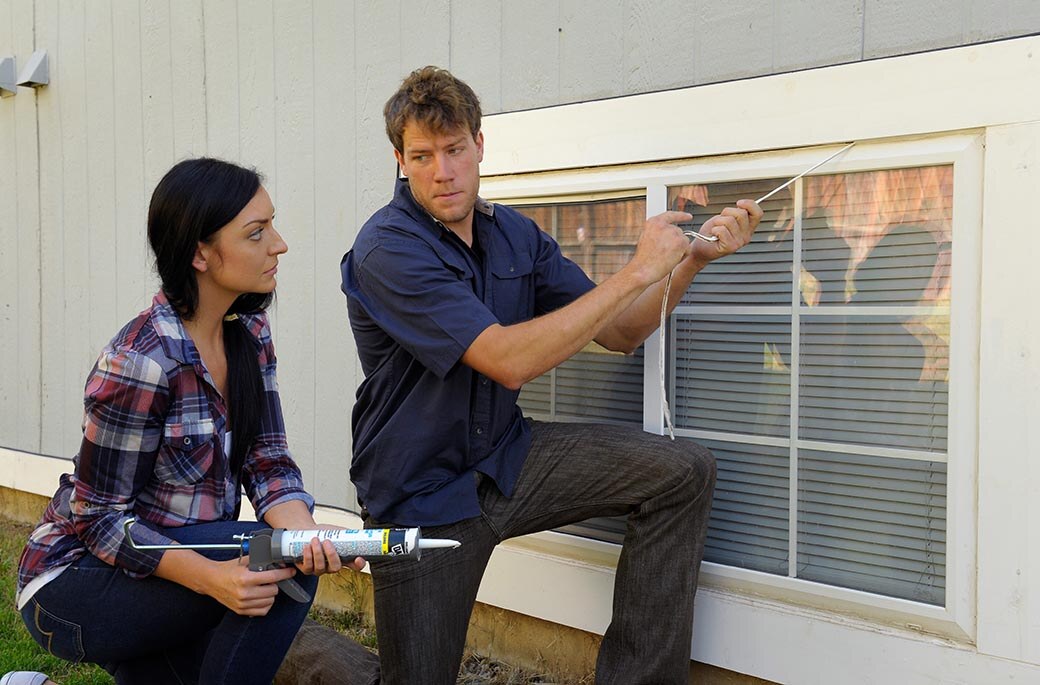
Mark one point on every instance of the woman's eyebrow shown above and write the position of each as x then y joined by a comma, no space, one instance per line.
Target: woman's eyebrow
262,220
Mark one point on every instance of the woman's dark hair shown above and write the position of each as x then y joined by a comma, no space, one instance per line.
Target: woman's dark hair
194,200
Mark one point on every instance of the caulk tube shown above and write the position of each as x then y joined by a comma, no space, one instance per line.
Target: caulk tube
368,543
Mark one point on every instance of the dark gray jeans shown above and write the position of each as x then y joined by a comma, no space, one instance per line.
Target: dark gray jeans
573,472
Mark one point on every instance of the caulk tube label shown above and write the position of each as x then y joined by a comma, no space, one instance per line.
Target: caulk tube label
369,543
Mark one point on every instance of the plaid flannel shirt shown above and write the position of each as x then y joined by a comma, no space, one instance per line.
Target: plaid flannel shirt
153,448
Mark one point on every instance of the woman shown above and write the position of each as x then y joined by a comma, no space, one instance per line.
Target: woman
182,412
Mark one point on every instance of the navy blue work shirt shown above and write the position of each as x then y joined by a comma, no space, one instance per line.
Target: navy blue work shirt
417,297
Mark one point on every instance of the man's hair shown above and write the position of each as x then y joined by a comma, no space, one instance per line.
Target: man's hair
434,98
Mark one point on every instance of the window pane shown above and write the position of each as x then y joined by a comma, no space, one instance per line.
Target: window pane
873,524
599,384
760,273
749,515
600,237
594,384
733,374
875,380
878,238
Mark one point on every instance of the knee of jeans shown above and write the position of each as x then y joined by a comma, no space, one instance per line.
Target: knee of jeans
699,467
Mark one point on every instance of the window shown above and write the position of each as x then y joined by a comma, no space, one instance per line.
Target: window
815,363
821,353
595,384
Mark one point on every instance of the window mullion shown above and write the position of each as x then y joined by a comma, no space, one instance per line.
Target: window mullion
653,407
796,294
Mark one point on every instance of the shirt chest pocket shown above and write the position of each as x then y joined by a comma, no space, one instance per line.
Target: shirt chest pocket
186,453
512,289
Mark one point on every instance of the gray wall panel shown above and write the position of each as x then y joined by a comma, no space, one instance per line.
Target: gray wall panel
813,32
298,90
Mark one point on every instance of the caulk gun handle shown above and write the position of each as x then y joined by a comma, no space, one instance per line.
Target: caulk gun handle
261,558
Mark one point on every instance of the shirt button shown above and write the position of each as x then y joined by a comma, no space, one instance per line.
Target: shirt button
480,431
187,441
483,380
512,269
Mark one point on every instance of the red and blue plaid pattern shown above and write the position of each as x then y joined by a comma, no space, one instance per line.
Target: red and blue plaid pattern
153,436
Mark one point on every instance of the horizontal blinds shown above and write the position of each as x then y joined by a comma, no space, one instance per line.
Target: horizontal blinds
732,374
869,380
595,384
760,273
592,385
536,396
601,385
873,524
749,514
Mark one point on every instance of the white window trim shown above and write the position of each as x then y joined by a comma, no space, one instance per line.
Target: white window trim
964,150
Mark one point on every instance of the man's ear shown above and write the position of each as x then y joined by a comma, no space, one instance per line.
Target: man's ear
199,261
479,139
400,162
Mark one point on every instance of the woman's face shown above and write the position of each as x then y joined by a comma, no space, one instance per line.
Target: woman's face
242,257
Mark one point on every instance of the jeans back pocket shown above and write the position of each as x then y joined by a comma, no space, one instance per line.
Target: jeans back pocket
59,637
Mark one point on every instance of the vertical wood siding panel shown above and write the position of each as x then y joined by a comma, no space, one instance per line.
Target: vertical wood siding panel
73,324
23,142
892,27
10,324
376,36
188,79
591,50
157,91
294,136
158,152
258,98
99,220
993,20
137,281
811,32
659,44
336,225
425,29
530,54
52,295
221,45
476,49
731,40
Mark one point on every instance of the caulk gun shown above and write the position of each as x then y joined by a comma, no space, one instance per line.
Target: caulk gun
269,548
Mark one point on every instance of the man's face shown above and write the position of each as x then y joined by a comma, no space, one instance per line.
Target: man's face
443,170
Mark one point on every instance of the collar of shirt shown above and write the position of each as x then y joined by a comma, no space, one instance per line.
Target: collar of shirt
405,201
177,343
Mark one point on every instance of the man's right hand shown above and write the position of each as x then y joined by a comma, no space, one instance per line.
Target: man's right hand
661,246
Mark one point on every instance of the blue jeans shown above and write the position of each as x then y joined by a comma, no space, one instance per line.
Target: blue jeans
154,631
573,472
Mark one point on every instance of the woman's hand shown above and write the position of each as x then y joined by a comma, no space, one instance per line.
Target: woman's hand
245,592
320,557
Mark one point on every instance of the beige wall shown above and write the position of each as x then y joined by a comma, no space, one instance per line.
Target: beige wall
296,89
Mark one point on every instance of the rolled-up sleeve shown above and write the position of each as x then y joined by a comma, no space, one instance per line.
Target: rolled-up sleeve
270,475
125,402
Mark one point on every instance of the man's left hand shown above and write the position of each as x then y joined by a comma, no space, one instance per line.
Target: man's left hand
734,227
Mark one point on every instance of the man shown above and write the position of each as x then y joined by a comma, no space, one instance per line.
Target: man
455,303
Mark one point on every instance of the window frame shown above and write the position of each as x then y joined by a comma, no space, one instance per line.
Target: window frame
964,150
